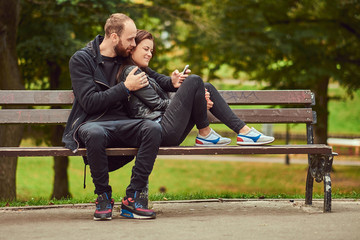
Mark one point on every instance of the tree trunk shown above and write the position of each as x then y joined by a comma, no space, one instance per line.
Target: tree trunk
321,108
9,79
61,180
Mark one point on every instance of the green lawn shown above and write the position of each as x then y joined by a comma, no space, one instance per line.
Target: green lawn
186,179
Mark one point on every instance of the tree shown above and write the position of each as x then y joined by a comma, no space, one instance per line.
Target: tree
290,44
10,79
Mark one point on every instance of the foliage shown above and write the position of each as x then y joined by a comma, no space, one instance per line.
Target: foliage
51,31
288,43
291,44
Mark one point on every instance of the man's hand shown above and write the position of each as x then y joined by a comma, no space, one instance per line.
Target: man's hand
177,77
209,103
135,82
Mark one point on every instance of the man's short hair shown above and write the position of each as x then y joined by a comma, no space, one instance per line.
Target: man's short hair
115,24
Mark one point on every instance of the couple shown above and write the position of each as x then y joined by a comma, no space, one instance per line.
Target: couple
120,102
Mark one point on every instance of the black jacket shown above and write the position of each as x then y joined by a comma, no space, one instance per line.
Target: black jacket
149,102
93,95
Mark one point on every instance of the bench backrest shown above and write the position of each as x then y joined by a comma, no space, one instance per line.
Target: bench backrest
272,106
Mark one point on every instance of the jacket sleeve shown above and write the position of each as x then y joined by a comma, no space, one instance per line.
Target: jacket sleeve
148,95
87,92
163,80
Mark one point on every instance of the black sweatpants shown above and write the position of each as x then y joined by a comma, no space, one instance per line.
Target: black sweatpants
140,133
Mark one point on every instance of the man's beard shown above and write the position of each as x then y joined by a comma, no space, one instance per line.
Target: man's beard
120,50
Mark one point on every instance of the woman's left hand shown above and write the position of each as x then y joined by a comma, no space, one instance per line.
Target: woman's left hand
209,103
177,77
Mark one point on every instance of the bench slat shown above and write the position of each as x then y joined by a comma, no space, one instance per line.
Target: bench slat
182,150
60,116
238,97
264,97
282,115
36,97
36,116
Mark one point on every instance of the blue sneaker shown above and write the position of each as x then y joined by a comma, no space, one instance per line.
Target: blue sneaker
254,137
104,206
212,140
136,207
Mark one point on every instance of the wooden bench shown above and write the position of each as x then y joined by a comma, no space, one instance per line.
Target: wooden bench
298,109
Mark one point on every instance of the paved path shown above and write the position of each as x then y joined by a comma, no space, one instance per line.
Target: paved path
236,219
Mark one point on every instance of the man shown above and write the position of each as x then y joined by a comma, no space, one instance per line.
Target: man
99,120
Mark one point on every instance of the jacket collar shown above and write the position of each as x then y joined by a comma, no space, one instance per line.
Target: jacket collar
94,47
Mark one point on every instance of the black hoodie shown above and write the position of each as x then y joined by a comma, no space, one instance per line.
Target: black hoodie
93,95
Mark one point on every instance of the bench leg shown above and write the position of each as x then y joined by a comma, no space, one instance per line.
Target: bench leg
319,169
327,193
309,188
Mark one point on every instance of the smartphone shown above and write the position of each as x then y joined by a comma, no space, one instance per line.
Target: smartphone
185,68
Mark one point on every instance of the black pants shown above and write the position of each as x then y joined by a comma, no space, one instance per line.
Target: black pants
97,136
188,108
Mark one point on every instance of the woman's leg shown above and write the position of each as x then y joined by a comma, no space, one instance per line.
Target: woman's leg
222,111
187,107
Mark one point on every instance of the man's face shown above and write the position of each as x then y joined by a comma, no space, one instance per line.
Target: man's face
126,40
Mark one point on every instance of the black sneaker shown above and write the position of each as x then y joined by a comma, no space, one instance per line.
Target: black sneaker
104,206
136,207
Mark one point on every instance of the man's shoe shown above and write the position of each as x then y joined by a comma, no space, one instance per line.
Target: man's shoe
254,137
136,207
104,206
212,140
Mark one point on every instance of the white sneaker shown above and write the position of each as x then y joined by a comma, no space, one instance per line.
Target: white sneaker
212,140
254,137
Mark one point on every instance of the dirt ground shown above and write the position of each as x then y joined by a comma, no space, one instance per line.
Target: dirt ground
210,219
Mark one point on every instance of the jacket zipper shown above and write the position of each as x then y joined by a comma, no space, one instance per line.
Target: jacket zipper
77,142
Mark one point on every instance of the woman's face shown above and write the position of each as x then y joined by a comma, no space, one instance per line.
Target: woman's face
142,54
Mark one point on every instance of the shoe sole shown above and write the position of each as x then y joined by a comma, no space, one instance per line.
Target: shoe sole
254,143
128,214
213,145
102,218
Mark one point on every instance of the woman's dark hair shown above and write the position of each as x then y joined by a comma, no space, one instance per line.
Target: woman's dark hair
141,35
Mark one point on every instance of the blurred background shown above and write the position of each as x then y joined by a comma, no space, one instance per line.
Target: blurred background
235,44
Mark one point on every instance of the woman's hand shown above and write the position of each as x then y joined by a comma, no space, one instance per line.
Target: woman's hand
177,77
209,103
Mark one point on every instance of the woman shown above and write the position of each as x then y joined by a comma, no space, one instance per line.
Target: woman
187,108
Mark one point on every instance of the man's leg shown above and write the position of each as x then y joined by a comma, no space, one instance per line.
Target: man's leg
95,138
146,135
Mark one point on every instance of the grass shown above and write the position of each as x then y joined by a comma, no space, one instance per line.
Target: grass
184,179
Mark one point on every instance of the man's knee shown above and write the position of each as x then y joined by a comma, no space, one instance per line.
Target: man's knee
92,133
